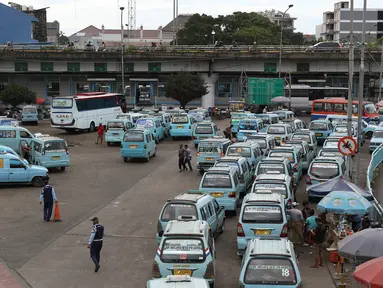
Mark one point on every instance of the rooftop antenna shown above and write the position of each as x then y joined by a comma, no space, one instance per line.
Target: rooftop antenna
131,18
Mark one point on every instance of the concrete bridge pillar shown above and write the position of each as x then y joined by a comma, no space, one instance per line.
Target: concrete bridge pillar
209,99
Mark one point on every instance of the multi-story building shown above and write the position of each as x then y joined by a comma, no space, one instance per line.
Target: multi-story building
336,24
277,18
53,30
137,37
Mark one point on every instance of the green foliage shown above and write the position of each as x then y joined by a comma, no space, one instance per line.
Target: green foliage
15,95
62,39
185,87
240,27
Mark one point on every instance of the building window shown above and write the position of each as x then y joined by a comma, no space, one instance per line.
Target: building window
53,89
270,67
82,87
303,67
46,67
21,66
154,67
73,67
100,67
224,90
129,67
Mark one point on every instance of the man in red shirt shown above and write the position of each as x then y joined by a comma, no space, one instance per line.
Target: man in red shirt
100,133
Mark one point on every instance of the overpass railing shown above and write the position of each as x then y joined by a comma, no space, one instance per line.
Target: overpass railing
372,172
173,49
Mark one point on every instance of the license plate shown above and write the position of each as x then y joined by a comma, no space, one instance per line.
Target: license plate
262,232
217,194
116,134
183,272
318,134
209,158
180,127
55,157
133,146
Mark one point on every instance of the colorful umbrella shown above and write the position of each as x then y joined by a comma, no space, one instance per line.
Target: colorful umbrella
370,274
40,101
339,202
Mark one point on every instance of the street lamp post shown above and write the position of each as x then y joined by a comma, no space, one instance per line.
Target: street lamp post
122,50
280,43
213,33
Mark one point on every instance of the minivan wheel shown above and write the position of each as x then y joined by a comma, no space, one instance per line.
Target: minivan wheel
212,284
155,151
147,158
37,182
62,168
369,135
125,159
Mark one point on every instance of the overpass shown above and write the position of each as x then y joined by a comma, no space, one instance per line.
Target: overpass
59,70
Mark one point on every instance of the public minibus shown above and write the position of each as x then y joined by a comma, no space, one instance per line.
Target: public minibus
294,155
335,106
182,126
278,183
340,130
309,137
236,117
138,143
5,121
332,141
12,136
131,116
6,149
376,139
154,125
267,120
273,165
222,183
262,214
29,114
166,120
199,114
178,281
204,130
193,203
322,129
270,262
307,154
248,127
245,171
331,152
368,128
115,130
266,142
210,150
281,132
249,149
186,248
284,114
325,168
48,151
296,124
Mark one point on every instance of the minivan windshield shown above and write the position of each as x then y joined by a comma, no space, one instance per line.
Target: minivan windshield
216,180
239,151
146,123
55,145
182,251
262,214
173,210
204,129
324,170
270,271
180,119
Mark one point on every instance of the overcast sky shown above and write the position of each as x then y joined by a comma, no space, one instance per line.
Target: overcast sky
75,15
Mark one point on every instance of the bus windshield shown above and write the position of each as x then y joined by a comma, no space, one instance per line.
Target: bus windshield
62,103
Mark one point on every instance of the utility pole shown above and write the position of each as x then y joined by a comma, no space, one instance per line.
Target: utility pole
122,50
174,21
381,72
176,18
361,90
350,85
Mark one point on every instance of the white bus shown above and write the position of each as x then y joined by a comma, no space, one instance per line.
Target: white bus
86,111
303,95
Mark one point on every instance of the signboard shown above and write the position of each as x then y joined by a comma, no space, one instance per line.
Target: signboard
347,146
262,90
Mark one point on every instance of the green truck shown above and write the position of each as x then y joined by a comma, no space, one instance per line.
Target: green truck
261,90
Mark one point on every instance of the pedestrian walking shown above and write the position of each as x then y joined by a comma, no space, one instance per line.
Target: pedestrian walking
100,133
188,158
296,223
95,242
181,158
228,132
319,234
306,211
48,195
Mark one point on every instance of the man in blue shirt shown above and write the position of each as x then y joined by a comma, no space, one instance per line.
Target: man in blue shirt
49,196
188,158
95,242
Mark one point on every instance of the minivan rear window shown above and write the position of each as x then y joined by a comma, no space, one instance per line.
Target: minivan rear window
182,251
263,168
270,271
261,142
262,214
216,180
133,137
276,130
318,126
288,155
146,123
173,210
239,151
304,137
323,170
180,119
204,129
55,146
277,188
209,148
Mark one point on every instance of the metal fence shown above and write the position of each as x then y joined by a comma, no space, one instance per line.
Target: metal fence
372,172
176,49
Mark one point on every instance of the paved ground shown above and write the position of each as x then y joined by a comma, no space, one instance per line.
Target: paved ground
127,197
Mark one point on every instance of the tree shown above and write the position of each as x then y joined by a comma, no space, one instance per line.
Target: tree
185,87
15,95
62,39
239,27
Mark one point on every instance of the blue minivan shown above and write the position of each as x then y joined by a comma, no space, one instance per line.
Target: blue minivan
210,150
182,126
204,130
115,130
138,143
248,127
154,125
29,114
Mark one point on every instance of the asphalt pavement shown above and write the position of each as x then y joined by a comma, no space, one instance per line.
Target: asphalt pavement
127,197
